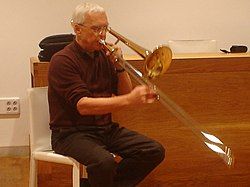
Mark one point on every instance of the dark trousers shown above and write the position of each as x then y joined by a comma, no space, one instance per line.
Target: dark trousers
92,145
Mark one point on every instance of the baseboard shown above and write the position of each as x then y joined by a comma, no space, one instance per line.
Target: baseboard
14,151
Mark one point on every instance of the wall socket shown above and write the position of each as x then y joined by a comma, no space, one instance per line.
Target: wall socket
9,105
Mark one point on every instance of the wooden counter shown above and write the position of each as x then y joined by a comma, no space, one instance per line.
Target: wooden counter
214,89
182,63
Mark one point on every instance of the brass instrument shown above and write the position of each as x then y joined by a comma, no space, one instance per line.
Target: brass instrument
156,63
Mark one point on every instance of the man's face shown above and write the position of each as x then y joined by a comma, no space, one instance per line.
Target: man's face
92,30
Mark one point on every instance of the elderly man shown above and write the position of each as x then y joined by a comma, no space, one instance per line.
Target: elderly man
85,87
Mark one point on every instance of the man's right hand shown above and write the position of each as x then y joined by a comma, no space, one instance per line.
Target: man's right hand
141,94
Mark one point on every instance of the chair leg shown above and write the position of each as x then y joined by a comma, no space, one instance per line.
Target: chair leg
33,172
84,172
76,174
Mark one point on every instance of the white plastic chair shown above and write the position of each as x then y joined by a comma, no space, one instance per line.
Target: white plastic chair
40,137
193,46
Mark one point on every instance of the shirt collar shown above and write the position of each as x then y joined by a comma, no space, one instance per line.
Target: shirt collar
82,51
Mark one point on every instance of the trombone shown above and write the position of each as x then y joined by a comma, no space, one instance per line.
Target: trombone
155,64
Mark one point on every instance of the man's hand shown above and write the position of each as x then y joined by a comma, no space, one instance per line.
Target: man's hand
115,55
142,94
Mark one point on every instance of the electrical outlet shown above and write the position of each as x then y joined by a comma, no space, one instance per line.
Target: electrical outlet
9,105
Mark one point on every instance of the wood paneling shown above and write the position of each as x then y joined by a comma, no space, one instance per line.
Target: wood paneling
219,103
216,93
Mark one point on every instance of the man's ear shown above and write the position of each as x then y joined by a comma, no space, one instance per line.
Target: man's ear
77,29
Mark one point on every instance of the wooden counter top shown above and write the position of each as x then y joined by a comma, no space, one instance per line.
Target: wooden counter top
195,56
210,55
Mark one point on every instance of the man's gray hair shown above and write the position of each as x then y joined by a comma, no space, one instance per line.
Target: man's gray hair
78,15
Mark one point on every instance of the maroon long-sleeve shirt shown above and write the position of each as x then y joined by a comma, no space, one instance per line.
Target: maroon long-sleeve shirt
73,74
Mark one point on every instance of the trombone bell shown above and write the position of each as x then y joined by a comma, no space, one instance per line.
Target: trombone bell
156,63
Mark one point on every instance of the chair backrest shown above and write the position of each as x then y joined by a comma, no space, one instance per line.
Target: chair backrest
40,134
193,46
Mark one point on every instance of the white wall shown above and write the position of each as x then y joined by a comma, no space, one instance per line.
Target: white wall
149,23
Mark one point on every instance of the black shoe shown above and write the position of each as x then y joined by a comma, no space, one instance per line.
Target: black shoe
84,182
